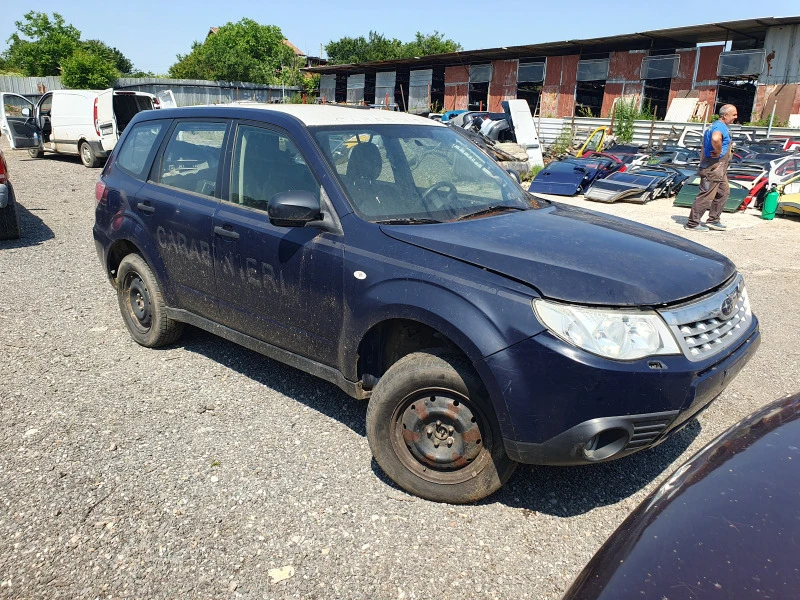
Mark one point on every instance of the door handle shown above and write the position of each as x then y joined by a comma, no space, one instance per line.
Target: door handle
228,233
146,208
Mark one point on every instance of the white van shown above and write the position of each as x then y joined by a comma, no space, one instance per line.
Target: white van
86,123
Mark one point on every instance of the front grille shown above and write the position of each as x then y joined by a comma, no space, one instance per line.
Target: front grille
705,328
647,431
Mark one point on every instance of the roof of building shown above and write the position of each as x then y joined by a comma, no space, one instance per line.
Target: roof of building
744,31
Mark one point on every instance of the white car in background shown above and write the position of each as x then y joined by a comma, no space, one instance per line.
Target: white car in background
86,123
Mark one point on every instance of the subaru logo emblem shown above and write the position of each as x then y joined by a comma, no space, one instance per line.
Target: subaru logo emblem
729,303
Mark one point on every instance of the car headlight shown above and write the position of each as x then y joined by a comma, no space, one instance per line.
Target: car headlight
618,334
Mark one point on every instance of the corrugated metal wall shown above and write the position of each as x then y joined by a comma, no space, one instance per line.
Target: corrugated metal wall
456,87
30,87
623,78
550,129
188,92
503,85
782,45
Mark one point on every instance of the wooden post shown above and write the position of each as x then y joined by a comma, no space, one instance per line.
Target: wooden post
652,126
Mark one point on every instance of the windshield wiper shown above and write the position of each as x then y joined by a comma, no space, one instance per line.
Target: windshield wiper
407,221
490,209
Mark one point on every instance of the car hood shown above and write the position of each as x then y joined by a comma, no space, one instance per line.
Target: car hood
578,256
563,183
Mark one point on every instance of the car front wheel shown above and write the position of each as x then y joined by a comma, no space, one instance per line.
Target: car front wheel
432,429
142,304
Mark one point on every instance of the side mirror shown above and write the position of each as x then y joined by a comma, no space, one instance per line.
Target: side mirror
26,112
514,175
294,208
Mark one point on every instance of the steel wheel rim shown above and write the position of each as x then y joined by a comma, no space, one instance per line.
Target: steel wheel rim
137,300
440,436
87,156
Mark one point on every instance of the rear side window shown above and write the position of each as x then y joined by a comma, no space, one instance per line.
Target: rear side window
135,154
192,156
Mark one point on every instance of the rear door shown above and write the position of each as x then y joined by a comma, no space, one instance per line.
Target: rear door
178,202
105,121
17,121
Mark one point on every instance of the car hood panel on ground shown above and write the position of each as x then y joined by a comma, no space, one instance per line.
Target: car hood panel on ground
578,256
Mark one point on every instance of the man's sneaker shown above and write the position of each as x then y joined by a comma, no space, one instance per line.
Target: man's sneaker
716,226
700,227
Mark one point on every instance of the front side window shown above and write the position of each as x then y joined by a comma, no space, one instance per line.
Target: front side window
266,163
416,173
192,156
141,141
14,105
46,106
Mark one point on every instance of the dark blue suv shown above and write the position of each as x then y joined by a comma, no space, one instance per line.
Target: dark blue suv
386,254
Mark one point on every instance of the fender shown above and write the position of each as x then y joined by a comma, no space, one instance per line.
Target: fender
130,230
476,323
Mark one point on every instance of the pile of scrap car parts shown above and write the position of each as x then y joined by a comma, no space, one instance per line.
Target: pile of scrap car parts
572,176
691,188
639,184
789,201
509,137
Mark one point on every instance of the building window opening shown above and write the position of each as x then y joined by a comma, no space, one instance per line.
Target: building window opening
739,92
590,87
479,77
530,77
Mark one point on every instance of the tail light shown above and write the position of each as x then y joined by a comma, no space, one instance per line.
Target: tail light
96,120
100,193
156,103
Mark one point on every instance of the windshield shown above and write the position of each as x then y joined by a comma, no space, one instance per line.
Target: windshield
417,174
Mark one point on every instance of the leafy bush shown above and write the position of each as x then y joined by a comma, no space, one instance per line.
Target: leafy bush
625,112
563,142
87,71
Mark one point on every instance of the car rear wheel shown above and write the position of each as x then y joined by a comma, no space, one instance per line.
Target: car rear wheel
432,429
9,218
88,156
142,304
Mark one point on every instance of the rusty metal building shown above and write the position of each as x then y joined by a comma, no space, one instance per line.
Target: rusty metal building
753,64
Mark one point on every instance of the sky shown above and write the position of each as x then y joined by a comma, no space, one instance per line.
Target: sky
152,33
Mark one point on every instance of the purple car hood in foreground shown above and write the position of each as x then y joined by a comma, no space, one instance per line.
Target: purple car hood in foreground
578,256
725,525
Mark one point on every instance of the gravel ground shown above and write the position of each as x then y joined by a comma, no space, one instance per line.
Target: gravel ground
207,471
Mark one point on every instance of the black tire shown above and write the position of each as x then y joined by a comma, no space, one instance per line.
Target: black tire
88,156
35,152
433,431
142,304
9,218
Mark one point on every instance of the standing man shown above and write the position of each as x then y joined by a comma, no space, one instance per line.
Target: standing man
713,171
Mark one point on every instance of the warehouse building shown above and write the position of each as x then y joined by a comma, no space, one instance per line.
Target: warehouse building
753,64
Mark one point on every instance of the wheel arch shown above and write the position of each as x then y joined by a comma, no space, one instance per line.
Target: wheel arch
123,246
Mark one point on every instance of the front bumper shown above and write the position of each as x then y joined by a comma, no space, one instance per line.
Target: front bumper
558,405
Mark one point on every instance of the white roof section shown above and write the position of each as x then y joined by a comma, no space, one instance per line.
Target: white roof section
320,114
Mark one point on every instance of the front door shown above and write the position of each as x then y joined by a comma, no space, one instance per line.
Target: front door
281,285
17,121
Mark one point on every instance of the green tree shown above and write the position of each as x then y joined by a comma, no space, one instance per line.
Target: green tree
88,71
375,47
111,55
41,44
425,45
242,51
357,50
